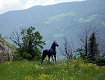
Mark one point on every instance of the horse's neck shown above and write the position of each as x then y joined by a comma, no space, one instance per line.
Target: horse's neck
53,48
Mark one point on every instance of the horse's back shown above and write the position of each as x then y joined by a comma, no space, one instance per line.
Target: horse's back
45,52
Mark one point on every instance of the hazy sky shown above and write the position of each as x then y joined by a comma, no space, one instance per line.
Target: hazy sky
8,5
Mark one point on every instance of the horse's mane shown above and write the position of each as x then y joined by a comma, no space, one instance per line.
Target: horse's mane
53,47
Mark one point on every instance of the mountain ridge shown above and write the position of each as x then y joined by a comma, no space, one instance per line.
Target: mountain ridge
58,20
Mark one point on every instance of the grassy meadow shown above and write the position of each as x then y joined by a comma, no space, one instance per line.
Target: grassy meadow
31,70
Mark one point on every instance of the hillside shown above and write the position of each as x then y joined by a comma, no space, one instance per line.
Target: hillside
31,70
56,21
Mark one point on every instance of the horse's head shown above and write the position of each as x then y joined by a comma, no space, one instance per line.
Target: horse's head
55,43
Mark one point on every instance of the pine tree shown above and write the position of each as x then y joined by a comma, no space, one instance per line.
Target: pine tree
92,47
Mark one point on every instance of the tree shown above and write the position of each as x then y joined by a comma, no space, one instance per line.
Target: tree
29,43
84,39
86,33
81,52
92,47
0,36
67,49
85,43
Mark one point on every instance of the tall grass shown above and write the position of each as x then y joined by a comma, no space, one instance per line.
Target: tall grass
31,70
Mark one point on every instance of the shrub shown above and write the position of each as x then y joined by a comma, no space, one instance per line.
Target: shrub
100,59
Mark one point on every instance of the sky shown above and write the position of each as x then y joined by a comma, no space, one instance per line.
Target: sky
9,5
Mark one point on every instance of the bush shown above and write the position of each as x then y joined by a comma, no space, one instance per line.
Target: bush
19,55
38,54
16,56
100,59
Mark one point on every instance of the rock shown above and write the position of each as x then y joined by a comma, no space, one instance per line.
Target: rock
5,52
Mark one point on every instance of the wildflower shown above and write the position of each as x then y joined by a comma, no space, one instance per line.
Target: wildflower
28,78
46,77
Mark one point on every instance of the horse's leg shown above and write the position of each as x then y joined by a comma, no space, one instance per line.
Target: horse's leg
55,57
52,58
49,58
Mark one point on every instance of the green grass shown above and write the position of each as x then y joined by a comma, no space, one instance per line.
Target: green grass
31,70
88,19
60,16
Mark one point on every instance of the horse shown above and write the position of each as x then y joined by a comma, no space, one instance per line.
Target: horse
50,52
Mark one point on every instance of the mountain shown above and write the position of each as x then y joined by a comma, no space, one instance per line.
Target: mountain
56,21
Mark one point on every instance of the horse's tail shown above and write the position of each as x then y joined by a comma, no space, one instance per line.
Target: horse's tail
43,55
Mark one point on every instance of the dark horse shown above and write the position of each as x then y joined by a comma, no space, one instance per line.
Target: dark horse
50,52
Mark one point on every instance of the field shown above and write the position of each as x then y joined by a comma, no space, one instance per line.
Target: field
31,70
